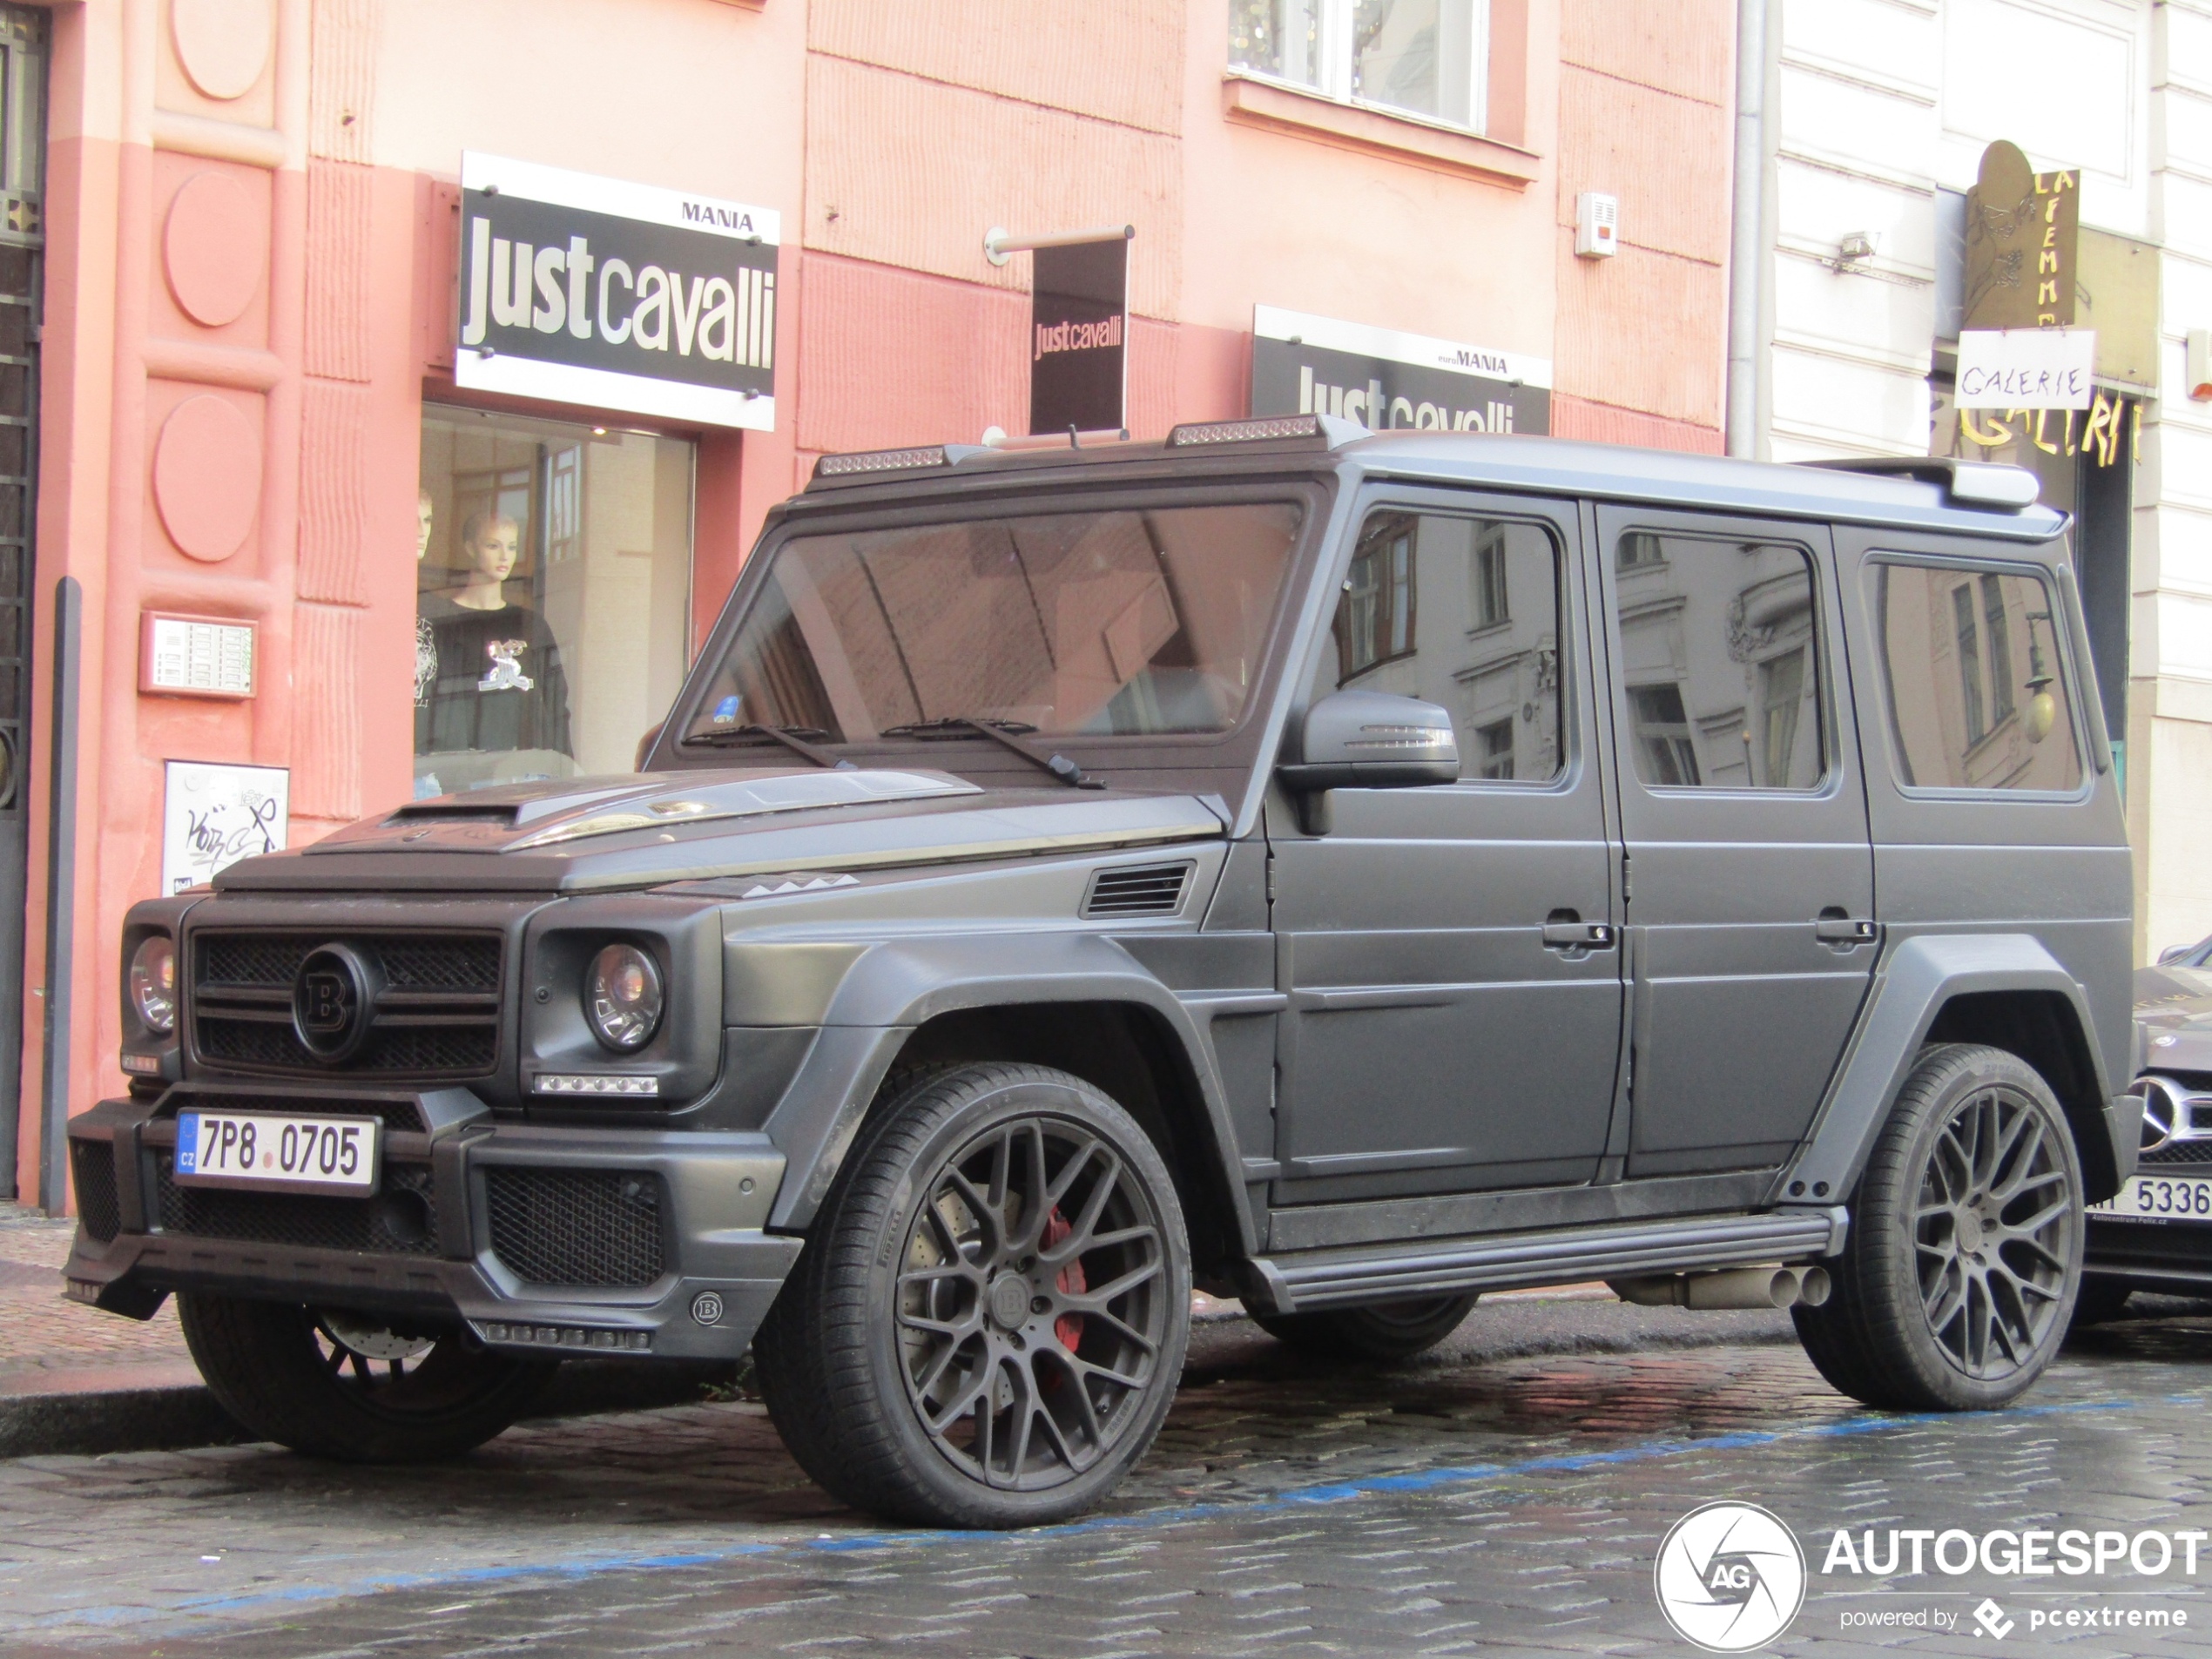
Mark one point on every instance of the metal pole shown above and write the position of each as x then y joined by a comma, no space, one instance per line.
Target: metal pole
997,243
61,897
1746,245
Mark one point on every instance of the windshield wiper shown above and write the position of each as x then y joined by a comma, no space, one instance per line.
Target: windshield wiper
999,731
789,735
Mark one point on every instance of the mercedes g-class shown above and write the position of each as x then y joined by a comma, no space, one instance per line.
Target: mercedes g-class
1345,872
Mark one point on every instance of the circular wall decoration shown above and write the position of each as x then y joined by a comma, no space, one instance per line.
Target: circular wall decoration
214,248
223,44
207,477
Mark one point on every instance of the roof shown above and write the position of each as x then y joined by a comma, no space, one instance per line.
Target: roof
1545,465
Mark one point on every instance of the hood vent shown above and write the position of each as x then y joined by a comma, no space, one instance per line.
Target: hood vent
1146,890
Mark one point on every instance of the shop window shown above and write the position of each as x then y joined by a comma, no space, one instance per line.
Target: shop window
1966,711
1722,660
1464,613
554,597
1425,58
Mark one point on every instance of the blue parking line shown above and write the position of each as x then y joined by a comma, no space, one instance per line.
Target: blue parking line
1294,1498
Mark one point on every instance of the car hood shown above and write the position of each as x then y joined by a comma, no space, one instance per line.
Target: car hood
2173,1005
646,829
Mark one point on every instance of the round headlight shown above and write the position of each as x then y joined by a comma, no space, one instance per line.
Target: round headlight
621,997
154,983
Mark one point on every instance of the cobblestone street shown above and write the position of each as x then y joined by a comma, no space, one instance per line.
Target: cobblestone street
1497,1497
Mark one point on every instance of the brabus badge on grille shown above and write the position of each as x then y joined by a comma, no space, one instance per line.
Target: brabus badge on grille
334,1000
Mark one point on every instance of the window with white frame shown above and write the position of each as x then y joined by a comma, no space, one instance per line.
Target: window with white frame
1424,58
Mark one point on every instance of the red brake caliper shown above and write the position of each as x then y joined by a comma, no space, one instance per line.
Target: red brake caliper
1069,1327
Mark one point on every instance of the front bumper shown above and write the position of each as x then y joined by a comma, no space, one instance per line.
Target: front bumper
475,1222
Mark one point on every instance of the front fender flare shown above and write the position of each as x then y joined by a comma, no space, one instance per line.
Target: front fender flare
1910,990
892,987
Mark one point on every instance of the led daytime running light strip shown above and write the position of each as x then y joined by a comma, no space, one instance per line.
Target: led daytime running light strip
593,1084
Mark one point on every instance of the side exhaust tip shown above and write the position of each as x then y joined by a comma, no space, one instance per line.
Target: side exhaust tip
1734,1288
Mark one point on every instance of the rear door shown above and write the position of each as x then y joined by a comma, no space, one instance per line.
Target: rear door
1750,913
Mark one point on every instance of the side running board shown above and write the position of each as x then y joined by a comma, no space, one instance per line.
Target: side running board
1304,1280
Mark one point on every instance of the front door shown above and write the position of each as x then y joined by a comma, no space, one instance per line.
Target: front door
1750,876
1453,1025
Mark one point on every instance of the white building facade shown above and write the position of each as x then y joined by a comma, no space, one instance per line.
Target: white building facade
1876,115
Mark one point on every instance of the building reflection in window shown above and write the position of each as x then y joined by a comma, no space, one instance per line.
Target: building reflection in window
1462,612
1722,661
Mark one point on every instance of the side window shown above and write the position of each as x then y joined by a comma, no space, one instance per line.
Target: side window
1972,678
1721,657
1461,612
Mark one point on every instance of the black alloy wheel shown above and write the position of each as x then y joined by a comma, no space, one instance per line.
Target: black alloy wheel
1383,1331
1958,1277
352,1388
987,1325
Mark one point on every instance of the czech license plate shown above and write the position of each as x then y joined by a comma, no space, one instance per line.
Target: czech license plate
336,1155
2158,1198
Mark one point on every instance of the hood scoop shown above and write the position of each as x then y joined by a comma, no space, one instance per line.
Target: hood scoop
521,817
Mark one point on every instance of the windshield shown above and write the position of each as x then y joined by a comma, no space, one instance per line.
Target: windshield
1106,622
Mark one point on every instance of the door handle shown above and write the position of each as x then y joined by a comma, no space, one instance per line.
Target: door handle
1838,929
1566,931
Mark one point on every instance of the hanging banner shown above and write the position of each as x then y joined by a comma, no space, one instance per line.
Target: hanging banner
2023,237
2026,368
1079,337
1383,378
578,289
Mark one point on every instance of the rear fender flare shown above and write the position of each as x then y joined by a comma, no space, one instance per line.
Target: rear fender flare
1910,991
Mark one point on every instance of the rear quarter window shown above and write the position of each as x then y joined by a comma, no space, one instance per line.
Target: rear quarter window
1973,681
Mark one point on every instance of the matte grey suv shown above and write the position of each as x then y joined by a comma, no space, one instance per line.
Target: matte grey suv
1345,872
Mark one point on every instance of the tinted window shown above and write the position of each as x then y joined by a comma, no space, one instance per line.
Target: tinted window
1721,657
1126,622
1976,693
1464,613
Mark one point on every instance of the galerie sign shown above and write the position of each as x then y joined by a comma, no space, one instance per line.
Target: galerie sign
2026,368
578,289
1384,379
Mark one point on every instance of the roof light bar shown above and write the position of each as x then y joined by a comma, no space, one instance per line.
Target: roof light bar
882,461
1259,431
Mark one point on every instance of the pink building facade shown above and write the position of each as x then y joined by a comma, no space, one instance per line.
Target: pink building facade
239,227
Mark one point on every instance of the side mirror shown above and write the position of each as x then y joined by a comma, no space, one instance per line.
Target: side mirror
1372,740
2174,954
645,746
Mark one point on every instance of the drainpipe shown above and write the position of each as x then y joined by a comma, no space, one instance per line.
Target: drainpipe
1746,258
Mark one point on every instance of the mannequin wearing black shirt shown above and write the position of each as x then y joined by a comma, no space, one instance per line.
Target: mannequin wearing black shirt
498,686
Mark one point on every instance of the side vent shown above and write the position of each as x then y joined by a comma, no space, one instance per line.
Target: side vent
1145,890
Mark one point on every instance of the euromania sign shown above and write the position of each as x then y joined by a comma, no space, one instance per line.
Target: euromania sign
578,289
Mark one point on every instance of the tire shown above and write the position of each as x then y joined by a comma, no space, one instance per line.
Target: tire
1958,1281
282,1371
1388,1331
949,1351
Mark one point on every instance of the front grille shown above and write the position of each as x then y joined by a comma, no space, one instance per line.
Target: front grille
576,1227
94,1164
2180,1152
437,1016
401,1220
1148,890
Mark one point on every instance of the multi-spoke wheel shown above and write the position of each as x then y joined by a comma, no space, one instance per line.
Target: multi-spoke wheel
988,1321
1965,1254
353,1387
1386,1331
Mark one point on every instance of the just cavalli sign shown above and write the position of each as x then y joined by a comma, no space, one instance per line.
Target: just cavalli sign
578,289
